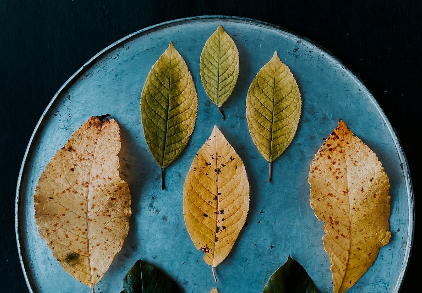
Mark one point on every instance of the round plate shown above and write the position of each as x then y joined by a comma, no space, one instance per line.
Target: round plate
280,221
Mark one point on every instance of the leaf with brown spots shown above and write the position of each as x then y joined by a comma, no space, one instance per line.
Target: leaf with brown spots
349,193
215,198
82,206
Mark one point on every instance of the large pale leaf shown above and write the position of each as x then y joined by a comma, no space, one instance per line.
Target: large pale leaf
169,106
273,107
145,278
290,277
216,198
219,67
349,192
82,206
214,290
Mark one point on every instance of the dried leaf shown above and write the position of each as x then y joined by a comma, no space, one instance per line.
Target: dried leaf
214,290
219,67
82,206
145,278
290,277
349,192
273,107
216,198
169,106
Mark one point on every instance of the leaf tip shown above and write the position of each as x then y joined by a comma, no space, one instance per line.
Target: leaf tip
171,47
216,131
220,28
104,117
341,123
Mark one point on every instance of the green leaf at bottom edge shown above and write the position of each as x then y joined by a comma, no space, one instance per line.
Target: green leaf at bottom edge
290,277
145,278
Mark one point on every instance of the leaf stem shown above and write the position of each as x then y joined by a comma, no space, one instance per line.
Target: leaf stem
163,184
270,172
213,273
222,113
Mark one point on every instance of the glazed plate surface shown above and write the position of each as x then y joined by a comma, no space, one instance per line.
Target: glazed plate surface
280,221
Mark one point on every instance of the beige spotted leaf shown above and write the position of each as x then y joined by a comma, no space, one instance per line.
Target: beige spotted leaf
82,206
219,67
214,290
215,198
349,193
273,107
169,107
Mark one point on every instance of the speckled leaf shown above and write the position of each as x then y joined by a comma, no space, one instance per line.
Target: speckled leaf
82,206
145,278
349,193
290,277
169,106
273,107
219,66
214,290
216,198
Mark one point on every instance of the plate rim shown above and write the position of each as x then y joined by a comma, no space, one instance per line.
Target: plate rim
236,19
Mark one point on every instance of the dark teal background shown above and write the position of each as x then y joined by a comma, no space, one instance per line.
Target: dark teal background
43,42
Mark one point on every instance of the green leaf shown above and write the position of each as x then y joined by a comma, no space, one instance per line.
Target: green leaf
290,278
219,66
169,107
144,278
273,107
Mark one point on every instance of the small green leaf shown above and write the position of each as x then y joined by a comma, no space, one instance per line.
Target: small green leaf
169,107
219,66
290,278
144,278
273,107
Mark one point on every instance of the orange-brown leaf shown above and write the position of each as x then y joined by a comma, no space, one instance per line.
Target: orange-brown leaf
82,206
349,193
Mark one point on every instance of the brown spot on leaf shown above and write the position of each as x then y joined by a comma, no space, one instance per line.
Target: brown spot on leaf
72,258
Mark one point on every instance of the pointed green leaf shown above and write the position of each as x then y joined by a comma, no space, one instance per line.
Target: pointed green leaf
169,107
144,278
219,66
273,107
290,277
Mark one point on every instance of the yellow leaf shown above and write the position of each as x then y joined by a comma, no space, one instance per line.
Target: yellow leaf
273,107
349,193
216,198
82,206
214,290
219,67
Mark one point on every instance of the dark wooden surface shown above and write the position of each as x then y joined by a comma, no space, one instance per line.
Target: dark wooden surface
43,42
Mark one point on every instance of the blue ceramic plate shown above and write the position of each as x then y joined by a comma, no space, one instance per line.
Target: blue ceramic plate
280,220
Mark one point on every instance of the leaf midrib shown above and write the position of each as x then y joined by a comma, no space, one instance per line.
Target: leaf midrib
87,204
218,69
167,113
272,118
349,215
218,198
